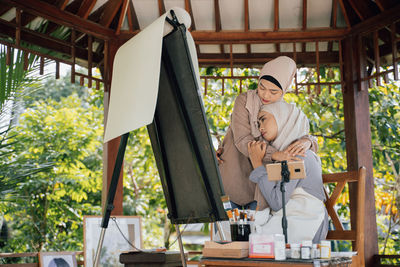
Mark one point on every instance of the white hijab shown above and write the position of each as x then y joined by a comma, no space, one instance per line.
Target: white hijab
292,123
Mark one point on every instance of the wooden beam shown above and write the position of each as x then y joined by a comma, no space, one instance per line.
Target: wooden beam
358,142
122,16
295,76
73,53
379,21
42,40
217,16
345,15
188,8
247,22
377,57
18,26
58,16
276,15
268,37
386,4
90,60
394,51
317,65
96,15
307,58
110,149
63,4
304,15
218,21
363,9
4,8
110,11
73,6
334,14
86,8
356,9
133,21
161,7
351,13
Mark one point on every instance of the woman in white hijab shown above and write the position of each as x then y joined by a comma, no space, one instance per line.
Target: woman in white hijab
280,123
275,78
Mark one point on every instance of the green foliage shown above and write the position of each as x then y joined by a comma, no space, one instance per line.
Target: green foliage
47,214
13,76
385,132
143,193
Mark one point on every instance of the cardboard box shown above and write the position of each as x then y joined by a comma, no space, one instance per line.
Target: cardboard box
237,249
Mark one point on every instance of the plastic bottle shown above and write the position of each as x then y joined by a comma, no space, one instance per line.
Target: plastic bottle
279,247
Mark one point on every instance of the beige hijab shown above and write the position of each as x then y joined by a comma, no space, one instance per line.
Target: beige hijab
291,121
282,69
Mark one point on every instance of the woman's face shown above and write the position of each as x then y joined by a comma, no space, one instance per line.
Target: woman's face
268,92
267,125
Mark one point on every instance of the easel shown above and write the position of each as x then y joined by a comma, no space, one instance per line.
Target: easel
210,212
110,201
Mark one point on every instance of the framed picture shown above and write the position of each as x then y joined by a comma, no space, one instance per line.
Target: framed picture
120,230
57,259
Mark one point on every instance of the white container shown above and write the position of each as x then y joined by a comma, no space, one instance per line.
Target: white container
295,251
325,249
306,249
315,252
279,247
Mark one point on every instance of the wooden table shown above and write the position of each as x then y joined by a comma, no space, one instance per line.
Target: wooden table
247,262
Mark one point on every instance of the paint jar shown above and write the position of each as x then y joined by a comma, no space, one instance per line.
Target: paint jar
315,253
226,203
295,251
325,249
240,231
287,249
306,249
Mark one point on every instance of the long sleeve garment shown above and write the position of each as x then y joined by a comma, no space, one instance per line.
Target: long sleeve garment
312,184
236,167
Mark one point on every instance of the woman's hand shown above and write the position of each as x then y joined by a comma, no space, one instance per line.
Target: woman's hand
283,155
299,147
256,152
218,154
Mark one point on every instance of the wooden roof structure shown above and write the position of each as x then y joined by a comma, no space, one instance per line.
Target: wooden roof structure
358,36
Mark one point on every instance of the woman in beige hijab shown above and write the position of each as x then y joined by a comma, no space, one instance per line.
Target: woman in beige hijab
275,78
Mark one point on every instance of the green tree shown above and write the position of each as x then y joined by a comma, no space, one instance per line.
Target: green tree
48,212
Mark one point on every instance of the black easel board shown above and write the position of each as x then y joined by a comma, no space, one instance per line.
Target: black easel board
181,141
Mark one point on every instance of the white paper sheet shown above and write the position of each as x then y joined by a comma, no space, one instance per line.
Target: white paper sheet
136,74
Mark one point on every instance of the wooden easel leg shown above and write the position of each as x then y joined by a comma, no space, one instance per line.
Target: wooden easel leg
183,258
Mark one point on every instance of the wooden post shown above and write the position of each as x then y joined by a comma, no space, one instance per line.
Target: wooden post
110,149
358,139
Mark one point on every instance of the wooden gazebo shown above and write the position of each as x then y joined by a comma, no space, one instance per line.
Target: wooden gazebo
359,36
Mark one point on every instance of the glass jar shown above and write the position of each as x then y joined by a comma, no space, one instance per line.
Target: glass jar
295,251
315,253
325,249
306,249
